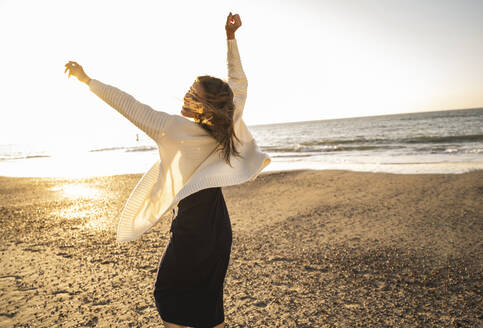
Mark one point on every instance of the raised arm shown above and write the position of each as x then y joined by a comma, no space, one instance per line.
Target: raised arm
150,121
236,76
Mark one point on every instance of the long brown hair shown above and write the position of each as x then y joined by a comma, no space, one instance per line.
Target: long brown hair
210,100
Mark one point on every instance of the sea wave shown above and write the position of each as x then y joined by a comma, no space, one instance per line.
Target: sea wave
141,148
333,148
126,149
289,155
461,151
409,140
106,149
23,157
445,139
339,141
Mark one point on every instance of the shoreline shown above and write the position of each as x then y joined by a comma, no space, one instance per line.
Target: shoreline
310,247
436,168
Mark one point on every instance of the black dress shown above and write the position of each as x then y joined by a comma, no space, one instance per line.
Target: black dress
189,284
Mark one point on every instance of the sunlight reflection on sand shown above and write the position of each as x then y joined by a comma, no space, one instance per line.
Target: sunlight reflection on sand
73,212
84,210
77,190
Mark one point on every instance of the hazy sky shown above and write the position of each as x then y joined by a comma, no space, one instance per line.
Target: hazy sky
305,60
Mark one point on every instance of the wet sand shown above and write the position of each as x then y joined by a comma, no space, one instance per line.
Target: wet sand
310,249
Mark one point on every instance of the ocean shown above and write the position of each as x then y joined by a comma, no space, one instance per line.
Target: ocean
428,142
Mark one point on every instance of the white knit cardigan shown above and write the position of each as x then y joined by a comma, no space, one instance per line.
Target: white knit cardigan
189,161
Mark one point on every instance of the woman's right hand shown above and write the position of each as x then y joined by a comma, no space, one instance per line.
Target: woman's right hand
75,69
233,22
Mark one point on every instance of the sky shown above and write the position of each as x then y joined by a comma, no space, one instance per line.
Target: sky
304,60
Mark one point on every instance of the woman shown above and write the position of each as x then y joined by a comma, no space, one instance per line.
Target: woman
197,158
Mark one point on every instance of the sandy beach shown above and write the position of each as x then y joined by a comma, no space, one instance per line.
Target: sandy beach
310,249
